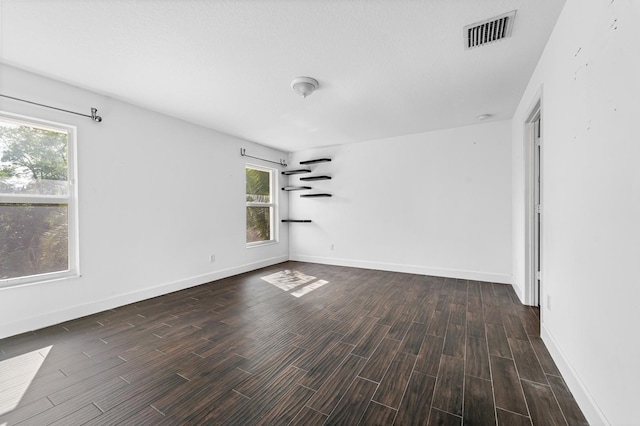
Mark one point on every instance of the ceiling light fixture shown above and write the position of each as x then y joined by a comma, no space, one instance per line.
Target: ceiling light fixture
304,86
483,117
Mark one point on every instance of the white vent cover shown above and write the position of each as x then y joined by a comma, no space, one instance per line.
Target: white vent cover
485,32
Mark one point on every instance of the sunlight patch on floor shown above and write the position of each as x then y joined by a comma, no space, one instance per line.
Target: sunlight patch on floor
16,374
309,288
288,280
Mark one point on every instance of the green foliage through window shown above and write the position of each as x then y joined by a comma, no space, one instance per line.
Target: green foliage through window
34,190
259,208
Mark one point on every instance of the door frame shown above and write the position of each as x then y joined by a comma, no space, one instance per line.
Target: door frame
533,228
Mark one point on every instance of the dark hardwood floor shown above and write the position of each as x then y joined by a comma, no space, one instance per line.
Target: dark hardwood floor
368,347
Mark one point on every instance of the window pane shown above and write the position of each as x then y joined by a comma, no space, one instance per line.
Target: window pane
33,239
258,224
258,186
33,160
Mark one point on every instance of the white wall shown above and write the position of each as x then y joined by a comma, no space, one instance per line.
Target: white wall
589,75
157,196
436,203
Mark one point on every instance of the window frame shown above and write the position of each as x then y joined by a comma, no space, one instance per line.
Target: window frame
71,201
273,205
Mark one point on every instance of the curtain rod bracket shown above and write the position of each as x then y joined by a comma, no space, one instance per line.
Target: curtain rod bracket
94,115
244,154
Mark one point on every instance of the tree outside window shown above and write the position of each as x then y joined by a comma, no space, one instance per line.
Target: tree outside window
260,204
35,199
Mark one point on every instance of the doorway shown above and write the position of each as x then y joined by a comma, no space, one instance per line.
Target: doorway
537,213
534,208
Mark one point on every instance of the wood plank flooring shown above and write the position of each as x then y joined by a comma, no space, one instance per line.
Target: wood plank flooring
369,348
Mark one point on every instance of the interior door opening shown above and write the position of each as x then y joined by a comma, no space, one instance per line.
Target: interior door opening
534,221
537,180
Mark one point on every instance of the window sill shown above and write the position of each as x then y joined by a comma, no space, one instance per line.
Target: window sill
261,244
38,279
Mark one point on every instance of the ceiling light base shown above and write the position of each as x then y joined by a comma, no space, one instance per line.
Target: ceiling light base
304,86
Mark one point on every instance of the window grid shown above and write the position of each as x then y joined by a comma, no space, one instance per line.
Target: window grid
38,201
261,205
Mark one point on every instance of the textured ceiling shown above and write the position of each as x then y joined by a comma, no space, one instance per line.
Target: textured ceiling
386,67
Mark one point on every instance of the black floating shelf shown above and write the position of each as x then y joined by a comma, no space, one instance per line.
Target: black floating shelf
296,221
310,178
319,160
295,188
316,195
295,172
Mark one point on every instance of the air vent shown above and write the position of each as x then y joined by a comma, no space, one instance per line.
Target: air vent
489,31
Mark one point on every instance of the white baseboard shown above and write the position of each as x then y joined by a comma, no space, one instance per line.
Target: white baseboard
56,317
587,404
518,289
409,269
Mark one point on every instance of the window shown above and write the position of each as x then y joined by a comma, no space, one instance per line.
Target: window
37,201
261,205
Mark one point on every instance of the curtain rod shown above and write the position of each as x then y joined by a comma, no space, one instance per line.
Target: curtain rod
94,111
281,163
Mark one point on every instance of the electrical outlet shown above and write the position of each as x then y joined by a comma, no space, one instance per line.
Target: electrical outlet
212,258
548,302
